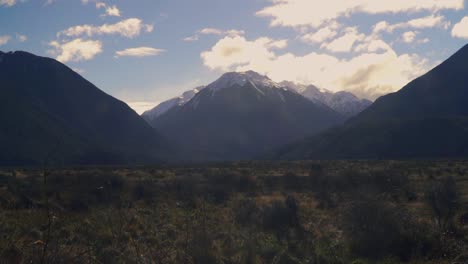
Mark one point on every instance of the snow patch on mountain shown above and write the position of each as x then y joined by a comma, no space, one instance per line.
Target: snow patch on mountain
167,105
342,102
242,78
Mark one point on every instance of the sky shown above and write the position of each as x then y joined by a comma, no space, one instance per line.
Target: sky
144,52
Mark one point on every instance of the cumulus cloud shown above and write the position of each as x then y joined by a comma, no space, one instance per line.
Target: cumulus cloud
369,74
7,2
4,39
418,23
129,28
139,52
233,52
214,31
21,38
319,36
314,13
346,42
460,30
409,36
110,10
373,44
75,50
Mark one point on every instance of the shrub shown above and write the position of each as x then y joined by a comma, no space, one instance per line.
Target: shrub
281,216
443,199
374,229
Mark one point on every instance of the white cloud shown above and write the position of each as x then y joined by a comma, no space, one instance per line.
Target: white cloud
129,28
211,31
409,36
234,52
191,38
139,52
418,23
112,11
7,2
4,39
21,38
381,26
100,5
460,30
314,13
346,42
322,34
75,50
373,44
369,74
214,31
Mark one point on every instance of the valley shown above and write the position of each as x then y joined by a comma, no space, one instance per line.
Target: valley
243,212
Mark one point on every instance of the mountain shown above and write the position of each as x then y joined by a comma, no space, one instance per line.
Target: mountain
428,118
241,115
50,114
342,102
163,107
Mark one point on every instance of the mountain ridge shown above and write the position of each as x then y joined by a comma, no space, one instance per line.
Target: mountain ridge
50,114
241,115
428,118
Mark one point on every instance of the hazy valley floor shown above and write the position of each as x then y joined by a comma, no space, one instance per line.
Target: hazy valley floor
282,212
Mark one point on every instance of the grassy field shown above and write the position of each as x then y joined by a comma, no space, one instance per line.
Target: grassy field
359,212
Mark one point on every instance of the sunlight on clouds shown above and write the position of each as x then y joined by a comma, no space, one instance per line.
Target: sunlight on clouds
373,44
139,52
418,23
322,34
344,43
232,52
75,50
460,30
21,38
129,28
4,40
369,74
7,2
314,13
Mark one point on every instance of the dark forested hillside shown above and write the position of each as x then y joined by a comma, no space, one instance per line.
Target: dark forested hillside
428,118
48,113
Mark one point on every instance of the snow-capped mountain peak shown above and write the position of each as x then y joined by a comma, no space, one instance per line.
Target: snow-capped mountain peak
343,102
241,78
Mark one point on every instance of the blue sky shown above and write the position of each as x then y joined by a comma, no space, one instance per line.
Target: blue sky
146,51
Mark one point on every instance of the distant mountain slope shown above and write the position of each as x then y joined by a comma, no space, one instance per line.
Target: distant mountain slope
163,107
343,102
242,115
428,118
48,113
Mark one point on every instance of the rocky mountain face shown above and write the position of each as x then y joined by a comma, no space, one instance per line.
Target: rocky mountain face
242,115
342,102
163,107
